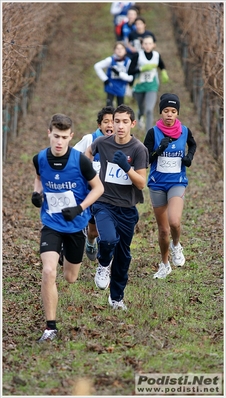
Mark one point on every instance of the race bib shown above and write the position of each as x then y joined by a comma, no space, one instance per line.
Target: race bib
59,200
168,165
147,76
115,175
96,166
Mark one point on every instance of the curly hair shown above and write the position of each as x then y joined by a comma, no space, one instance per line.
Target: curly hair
108,110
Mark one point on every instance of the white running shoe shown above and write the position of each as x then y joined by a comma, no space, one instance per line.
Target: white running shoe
117,304
141,123
178,258
102,277
163,271
48,334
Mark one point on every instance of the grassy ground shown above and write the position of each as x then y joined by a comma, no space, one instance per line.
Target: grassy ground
173,325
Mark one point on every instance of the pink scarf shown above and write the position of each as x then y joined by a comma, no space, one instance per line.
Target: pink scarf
173,131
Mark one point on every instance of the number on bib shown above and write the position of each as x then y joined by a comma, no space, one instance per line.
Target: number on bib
59,200
168,165
115,175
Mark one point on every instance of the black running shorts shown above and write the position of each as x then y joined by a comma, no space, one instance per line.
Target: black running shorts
73,243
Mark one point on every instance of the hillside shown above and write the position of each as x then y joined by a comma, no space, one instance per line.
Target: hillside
176,326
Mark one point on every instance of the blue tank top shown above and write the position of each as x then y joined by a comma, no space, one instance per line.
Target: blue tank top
63,188
123,12
116,85
96,134
176,149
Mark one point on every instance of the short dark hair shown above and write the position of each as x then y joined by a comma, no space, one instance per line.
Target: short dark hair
60,121
140,19
125,109
147,36
107,110
134,8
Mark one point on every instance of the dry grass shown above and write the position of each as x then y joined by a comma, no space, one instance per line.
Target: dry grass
26,28
202,27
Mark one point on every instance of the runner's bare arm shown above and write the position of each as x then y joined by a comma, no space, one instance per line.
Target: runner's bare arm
138,177
97,189
88,153
37,184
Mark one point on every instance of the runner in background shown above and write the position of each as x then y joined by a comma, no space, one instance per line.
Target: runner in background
113,71
126,29
119,11
129,26
144,66
105,128
134,41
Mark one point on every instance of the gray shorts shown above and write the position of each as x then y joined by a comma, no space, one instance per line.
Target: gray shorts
161,198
